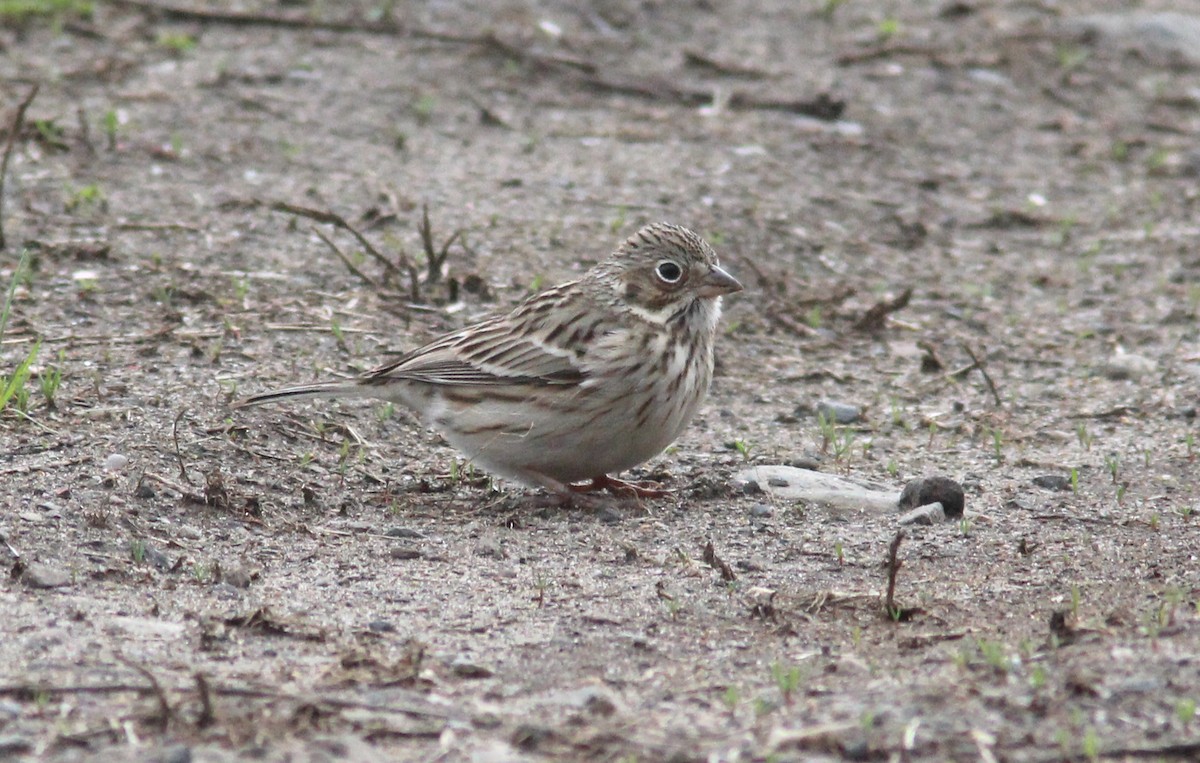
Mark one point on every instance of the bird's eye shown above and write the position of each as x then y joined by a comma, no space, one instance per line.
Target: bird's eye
669,271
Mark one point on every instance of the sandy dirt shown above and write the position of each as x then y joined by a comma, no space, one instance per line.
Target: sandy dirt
330,581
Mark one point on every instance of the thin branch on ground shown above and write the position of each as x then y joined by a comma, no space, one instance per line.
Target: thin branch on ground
978,363
13,129
823,106
887,50
368,280
873,319
697,57
188,495
183,472
336,220
207,717
434,258
85,132
717,563
893,564
165,712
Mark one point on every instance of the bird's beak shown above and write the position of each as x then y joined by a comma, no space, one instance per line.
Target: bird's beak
718,282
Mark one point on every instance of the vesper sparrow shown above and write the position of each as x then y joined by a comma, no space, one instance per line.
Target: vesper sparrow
580,381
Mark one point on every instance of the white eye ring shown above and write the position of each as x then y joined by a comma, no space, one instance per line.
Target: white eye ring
668,271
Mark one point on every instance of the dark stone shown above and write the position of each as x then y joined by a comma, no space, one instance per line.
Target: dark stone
404,532
928,490
1052,482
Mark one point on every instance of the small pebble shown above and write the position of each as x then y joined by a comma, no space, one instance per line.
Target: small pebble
761,511
236,576
839,413
405,552
14,744
115,462
607,515
1052,482
39,575
927,490
381,626
157,558
179,753
750,487
226,591
465,669
932,514
1128,366
490,548
404,532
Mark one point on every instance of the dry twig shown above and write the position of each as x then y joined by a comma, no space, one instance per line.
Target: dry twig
434,258
337,221
978,363
13,129
873,319
183,472
345,260
165,712
207,717
893,563
717,563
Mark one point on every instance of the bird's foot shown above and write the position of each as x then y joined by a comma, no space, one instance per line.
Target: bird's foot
621,488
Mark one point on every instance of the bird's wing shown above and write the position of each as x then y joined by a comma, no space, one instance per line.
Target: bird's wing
487,354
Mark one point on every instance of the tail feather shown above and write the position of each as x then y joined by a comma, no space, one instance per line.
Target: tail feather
305,392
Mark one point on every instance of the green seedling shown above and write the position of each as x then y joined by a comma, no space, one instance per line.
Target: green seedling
110,124
1091,744
813,317
176,42
732,697
828,8
1113,464
50,380
1084,437
743,448
423,109
787,679
336,327
87,197
1185,710
12,386
137,550
964,527
23,11
619,220
887,29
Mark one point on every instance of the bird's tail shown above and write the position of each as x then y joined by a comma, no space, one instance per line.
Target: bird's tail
307,391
